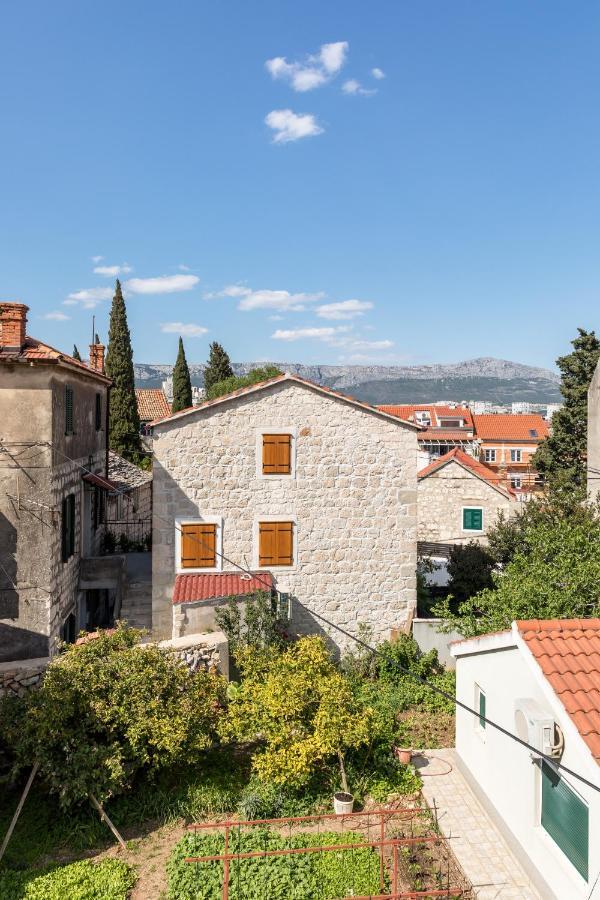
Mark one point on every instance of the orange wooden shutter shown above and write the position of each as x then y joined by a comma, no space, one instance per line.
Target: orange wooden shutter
198,546
276,544
276,454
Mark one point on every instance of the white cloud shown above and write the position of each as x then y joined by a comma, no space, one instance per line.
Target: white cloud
298,334
96,259
188,329
56,316
351,343
377,73
290,126
315,70
88,297
275,318
183,268
113,270
162,284
355,88
345,309
266,299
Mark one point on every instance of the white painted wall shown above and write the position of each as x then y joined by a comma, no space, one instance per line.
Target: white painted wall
505,771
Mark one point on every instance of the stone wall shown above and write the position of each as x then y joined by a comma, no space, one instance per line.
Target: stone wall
441,497
352,499
18,679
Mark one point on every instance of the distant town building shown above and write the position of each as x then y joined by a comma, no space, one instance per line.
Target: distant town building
167,387
551,408
521,408
443,428
506,445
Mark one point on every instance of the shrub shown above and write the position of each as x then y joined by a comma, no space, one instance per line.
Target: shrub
108,709
258,628
235,382
304,876
109,879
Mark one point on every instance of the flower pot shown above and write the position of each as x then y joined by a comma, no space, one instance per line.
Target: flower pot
403,755
342,803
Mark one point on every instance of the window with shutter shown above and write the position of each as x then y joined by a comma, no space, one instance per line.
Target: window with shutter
68,527
277,454
472,519
68,410
481,704
98,412
565,817
198,546
276,544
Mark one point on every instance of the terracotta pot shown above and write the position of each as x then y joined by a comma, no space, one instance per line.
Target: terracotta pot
403,755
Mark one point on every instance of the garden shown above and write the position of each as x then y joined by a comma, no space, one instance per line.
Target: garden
129,733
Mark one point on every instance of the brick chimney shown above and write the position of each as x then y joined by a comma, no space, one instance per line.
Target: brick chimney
97,357
13,325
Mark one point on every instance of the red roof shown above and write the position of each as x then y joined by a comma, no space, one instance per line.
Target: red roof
35,351
407,412
568,653
151,404
467,462
212,585
509,427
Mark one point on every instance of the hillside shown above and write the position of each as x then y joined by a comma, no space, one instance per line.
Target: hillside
498,380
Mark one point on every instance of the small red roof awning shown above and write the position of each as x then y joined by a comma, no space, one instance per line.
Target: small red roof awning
213,585
99,481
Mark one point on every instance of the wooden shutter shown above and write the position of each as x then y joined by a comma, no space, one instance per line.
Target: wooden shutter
68,527
68,410
277,454
276,544
198,546
566,819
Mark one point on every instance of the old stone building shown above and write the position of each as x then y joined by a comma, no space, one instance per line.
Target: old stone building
312,489
53,420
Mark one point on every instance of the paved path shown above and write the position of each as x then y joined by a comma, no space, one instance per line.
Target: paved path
481,850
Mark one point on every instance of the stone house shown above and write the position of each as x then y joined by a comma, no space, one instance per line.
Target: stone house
53,421
507,443
458,499
310,490
442,428
128,503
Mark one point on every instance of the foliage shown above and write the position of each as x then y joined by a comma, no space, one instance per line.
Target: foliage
561,457
305,876
470,568
182,384
555,574
109,879
112,543
218,367
76,354
251,624
124,421
300,705
235,382
108,709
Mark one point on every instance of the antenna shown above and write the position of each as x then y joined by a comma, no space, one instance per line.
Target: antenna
93,327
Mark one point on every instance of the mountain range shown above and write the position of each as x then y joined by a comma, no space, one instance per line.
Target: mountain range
484,378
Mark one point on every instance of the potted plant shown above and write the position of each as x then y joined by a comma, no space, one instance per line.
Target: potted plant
403,755
343,801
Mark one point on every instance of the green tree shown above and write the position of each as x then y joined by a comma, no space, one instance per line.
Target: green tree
76,354
470,569
108,709
124,428
561,457
182,385
218,367
235,382
554,573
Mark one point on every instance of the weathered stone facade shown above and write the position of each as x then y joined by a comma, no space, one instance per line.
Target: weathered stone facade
352,498
18,679
442,496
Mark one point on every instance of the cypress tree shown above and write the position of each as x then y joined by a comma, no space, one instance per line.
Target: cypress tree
218,367
124,431
561,457
182,385
76,354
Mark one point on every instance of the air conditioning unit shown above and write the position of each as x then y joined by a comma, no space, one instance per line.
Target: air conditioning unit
534,725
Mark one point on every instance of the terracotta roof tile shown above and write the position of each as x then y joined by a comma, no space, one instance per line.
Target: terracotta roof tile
151,404
467,462
213,585
34,350
407,411
568,653
510,427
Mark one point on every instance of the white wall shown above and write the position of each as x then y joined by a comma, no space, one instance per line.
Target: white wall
505,772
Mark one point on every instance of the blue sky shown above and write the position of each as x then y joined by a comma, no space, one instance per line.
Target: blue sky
455,201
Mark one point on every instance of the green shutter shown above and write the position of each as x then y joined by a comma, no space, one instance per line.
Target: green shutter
68,410
482,714
472,519
566,819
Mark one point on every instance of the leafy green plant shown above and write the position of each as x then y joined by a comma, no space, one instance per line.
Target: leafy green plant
252,624
235,382
109,879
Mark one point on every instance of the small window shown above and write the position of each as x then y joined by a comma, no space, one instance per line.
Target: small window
515,456
480,706
451,423
68,631
565,817
490,456
276,454
516,483
533,432
276,544
68,527
199,546
472,519
98,412
422,417
68,410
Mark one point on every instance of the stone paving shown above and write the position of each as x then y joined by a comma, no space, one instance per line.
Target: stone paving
482,852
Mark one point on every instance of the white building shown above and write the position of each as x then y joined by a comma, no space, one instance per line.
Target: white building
539,680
